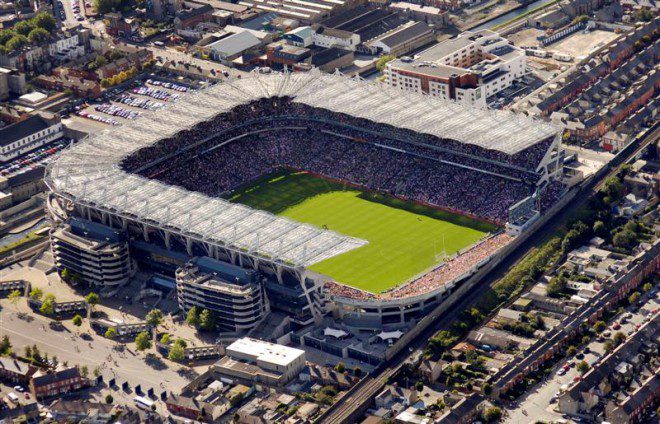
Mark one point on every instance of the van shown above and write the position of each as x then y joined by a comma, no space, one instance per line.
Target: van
12,397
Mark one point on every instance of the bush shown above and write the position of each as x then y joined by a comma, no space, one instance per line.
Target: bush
383,61
492,414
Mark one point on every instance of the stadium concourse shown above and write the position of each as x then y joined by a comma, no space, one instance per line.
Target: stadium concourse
161,177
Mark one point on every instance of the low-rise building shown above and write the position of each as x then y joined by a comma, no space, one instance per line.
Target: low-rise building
14,371
27,135
45,384
401,40
634,406
258,361
331,37
424,13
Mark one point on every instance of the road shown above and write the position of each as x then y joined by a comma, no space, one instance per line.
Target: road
538,403
367,391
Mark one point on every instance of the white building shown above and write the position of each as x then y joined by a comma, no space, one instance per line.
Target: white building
330,37
283,360
468,69
67,47
27,135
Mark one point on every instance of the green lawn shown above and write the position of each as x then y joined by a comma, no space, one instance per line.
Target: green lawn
404,238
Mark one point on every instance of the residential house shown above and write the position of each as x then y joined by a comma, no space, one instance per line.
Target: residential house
14,371
44,384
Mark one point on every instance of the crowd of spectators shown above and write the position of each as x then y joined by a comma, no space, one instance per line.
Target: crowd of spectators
458,266
219,155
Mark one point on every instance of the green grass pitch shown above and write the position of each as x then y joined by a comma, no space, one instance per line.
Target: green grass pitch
404,238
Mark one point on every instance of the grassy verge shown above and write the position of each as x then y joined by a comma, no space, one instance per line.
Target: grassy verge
29,237
524,15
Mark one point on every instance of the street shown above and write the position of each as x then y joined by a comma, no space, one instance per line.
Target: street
537,404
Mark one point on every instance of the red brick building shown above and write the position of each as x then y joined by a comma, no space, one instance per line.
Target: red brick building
58,382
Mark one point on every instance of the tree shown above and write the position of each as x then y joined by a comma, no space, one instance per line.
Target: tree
646,287
192,318
109,399
583,367
38,35
419,386
556,285
608,345
383,61
619,338
5,35
97,371
154,317
111,333
36,354
357,371
488,389
644,14
633,298
181,342
492,414
600,229
24,27
600,326
206,320
578,233
100,61
84,371
572,350
624,239
77,320
27,352
613,188
48,306
105,6
177,353
36,294
340,367
5,345
143,341
539,322
165,339
14,296
92,299
45,21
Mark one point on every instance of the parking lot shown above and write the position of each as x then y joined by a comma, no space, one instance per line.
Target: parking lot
34,159
120,105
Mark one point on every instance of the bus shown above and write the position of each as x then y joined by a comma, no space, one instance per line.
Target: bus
143,403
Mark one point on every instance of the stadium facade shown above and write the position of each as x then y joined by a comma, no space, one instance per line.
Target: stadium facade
167,226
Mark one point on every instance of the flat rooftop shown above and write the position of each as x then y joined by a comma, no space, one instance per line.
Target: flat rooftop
265,351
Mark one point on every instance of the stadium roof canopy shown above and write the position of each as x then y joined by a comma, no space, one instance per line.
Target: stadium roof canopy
89,174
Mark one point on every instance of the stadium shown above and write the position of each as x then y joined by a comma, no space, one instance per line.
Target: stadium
345,197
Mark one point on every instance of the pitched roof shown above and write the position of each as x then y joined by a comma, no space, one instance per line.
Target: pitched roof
53,377
21,129
235,43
